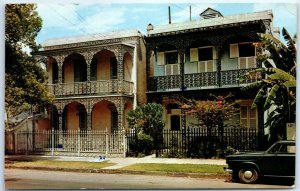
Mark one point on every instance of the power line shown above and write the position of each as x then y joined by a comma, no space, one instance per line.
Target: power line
66,19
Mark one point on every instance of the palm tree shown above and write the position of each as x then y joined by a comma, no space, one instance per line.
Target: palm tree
277,91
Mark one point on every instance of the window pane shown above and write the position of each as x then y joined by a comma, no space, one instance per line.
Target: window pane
252,123
246,50
243,111
252,113
205,54
171,58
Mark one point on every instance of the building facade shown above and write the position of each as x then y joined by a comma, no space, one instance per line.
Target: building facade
198,58
96,79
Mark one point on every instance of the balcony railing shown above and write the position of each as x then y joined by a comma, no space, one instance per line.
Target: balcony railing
201,80
92,88
239,77
228,78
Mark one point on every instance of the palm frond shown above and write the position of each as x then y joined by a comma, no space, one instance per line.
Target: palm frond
259,96
271,96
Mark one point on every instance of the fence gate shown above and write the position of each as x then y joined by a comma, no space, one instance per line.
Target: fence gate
66,143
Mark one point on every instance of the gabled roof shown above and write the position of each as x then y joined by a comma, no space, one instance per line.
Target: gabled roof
210,13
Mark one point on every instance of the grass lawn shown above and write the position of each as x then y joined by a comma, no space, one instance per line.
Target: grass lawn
62,164
187,168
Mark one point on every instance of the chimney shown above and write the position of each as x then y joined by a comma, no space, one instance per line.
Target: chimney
149,27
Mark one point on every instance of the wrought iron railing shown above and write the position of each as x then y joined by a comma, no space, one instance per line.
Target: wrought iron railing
239,77
164,83
204,80
92,87
199,80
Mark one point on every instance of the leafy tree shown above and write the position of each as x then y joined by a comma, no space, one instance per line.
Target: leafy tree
25,80
277,92
148,123
212,113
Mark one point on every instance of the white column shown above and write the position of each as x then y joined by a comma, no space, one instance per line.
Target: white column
134,76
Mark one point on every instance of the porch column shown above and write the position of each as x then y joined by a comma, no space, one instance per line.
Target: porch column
88,58
181,58
60,120
89,118
120,109
120,64
218,64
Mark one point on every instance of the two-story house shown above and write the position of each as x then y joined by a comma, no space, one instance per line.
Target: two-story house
207,56
96,79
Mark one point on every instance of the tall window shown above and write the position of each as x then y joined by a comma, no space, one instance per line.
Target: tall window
55,73
113,68
248,116
114,121
93,69
80,74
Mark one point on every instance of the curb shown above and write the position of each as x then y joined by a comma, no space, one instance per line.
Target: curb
116,171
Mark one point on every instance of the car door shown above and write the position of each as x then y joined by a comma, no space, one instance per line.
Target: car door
279,161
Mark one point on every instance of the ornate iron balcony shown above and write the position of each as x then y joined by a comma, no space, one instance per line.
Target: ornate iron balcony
101,87
239,77
204,80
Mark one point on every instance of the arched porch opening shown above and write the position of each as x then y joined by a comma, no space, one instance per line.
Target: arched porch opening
74,117
74,68
105,116
105,66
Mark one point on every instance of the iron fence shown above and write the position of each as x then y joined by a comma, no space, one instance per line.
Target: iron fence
189,142
71,142
197,142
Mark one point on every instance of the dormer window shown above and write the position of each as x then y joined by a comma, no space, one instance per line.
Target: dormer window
210,13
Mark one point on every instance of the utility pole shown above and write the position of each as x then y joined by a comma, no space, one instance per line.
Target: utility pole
169,15
190,13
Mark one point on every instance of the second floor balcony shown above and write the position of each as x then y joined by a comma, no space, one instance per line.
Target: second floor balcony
101,87
204,80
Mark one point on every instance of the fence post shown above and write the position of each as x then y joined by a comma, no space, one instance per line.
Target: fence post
78,145
124,142
52,141
106,143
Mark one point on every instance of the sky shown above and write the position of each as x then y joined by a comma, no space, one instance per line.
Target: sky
74,19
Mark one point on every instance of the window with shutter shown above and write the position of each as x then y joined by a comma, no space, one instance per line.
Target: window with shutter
202,66
234,51
248,116
251,62
210,66
161,58
242,63
193,54
168,69
175,69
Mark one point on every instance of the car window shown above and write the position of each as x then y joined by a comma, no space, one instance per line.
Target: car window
283,148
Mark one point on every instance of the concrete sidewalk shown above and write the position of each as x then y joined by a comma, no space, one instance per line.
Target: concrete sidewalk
122,162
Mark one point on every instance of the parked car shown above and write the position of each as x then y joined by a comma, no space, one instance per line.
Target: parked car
277,161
